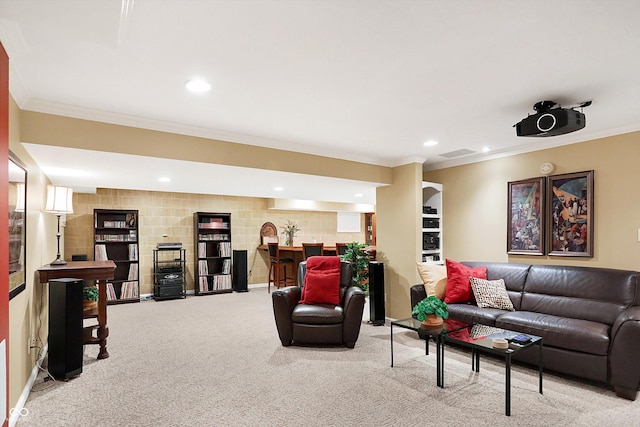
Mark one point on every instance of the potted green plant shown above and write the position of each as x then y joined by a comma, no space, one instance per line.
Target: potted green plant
431,311
89,298
356,255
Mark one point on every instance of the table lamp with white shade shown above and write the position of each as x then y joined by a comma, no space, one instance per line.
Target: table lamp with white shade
59,202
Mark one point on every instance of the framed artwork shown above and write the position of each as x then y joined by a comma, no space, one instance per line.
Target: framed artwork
571,214
17,192
526,219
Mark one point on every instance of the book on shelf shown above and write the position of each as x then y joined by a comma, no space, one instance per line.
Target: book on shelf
202,250
111,293
100,253
213,236
203,284
203,267
226,266
129,290
133,272
224,249
133,252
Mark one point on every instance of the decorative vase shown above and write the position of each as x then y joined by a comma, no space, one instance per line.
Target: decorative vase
290,241
432,320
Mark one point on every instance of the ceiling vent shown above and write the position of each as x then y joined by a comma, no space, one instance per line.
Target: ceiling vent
457,153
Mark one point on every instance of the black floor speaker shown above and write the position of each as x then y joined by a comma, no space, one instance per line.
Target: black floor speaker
376,293
239,279
65,328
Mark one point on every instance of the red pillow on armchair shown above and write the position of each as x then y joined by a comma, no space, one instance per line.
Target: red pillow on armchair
322,281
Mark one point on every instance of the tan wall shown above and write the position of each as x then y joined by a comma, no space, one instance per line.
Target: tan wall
399,216
28,311
475,201
47,129
172,214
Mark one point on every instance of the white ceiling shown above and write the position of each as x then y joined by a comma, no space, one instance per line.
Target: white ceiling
352,79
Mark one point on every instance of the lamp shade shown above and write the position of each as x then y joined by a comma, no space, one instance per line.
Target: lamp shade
59,199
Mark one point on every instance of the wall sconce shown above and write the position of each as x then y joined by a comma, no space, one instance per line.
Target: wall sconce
59,202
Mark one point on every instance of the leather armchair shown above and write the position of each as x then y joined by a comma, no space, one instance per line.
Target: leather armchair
319,323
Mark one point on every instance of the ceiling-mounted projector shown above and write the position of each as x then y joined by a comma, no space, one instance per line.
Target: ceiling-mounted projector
550,121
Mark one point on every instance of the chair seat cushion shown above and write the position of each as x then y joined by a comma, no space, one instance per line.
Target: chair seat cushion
317,314
322,281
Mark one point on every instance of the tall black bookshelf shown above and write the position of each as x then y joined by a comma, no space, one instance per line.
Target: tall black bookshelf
212,268
116,238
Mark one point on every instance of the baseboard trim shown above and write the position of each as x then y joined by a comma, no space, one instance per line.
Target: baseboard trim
22,400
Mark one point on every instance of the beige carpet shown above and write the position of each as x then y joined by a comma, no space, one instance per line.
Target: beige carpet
217,361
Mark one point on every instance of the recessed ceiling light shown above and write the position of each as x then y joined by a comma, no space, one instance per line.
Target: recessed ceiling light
431,143
164,179
358,195
197,86
486,149
278,189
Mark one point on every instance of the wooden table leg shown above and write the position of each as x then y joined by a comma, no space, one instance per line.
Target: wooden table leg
103,330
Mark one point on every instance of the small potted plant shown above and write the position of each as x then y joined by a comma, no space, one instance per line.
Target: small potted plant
89,298
431,311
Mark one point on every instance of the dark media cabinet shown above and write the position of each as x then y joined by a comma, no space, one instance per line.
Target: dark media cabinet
169,273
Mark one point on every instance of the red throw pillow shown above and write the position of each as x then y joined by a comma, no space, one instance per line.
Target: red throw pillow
458,286
322,281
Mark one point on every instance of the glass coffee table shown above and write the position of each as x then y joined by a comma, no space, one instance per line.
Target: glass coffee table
479,338
436,333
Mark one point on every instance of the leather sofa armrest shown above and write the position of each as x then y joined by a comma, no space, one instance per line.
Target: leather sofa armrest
353,307
418,293
284,300
625,353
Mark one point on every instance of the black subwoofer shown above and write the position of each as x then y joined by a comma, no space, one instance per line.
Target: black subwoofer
239,279
65,328
376,293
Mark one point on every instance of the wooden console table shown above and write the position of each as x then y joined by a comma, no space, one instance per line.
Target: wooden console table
100,271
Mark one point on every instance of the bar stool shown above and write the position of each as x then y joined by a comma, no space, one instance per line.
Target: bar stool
312,249
341,248
275,264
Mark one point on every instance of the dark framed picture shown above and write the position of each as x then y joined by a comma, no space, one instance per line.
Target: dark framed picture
526,219
571,214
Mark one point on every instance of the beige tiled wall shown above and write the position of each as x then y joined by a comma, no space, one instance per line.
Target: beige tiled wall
172,214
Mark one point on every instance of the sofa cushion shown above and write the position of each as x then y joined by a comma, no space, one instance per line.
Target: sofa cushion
322,281
458,275
571,334
491,294
471,313
434,277
317,314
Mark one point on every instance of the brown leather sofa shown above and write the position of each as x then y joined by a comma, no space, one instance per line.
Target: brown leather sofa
588,317
319,323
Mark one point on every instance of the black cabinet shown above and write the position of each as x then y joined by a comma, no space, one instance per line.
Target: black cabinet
65,328
169,273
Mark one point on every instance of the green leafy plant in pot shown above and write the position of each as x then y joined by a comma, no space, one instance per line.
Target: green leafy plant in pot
356,255
431,311
89,298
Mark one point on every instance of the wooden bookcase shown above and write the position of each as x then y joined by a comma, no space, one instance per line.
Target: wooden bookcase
116,238
212,268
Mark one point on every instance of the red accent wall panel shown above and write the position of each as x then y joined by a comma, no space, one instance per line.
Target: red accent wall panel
4,209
